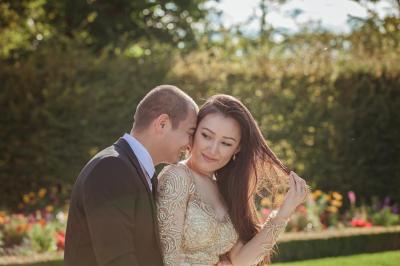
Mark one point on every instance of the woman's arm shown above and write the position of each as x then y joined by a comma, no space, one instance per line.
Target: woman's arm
261,244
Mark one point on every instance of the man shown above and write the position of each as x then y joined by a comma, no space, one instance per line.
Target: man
112,219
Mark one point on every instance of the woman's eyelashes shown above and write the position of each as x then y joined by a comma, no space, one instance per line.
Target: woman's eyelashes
226,144
207,137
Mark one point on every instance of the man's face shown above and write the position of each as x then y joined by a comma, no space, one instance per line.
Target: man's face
179,139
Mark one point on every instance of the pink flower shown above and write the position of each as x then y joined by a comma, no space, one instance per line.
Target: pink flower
301,209
352,197
265,212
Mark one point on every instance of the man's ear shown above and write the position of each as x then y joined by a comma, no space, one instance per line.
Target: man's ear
161,123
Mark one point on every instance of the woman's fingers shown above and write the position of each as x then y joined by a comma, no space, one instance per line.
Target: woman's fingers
300,187
292,183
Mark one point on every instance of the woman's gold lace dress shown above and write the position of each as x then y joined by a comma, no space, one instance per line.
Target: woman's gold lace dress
190,232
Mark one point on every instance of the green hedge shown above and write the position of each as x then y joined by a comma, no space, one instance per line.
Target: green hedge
339,245
59,107
335,123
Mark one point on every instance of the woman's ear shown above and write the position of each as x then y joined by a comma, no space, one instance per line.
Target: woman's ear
237,149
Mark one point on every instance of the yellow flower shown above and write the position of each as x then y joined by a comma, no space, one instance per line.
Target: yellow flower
266,202
2,218
26,198
42,192
337,195
31,196
336,203
49,208
279,199
332,209
327,197
317,193
92,151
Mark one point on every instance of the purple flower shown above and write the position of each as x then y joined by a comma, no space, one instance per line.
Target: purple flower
352,197
395,209
386,202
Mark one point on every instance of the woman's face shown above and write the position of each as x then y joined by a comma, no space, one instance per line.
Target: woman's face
216,140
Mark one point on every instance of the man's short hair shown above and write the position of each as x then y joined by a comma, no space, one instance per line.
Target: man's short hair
163,99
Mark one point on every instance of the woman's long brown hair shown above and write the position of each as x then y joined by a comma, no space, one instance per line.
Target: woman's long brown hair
237,180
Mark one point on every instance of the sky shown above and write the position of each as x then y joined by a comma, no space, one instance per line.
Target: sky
332,14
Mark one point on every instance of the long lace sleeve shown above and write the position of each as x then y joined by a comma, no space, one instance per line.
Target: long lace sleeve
261,245
172,196
272,230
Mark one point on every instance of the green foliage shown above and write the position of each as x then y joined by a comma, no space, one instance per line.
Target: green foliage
328,113
1,240
366,131
385,217
72,75
61,106
42,238
27,24
14,231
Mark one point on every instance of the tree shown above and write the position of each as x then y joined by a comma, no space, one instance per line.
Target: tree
99,23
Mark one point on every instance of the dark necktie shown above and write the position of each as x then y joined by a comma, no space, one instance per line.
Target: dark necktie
154,183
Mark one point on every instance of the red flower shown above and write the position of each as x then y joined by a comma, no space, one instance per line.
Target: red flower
360,223
60,240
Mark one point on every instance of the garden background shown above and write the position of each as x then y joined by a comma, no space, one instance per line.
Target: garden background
72,73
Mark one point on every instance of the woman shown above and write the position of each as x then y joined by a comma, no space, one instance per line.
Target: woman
206,204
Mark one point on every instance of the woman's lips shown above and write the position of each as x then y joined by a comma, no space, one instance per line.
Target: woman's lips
208,159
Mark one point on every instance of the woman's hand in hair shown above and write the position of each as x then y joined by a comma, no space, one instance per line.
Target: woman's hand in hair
297,194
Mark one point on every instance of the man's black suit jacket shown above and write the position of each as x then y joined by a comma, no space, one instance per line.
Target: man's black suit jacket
112,217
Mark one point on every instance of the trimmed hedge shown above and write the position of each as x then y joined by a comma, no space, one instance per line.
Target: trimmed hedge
335,123
337,244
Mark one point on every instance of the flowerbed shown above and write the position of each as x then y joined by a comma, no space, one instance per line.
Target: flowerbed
39,226
324,211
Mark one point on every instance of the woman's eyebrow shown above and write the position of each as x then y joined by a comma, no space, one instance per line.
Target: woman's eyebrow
214,134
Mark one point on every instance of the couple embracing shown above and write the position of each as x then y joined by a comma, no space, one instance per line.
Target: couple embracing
196,212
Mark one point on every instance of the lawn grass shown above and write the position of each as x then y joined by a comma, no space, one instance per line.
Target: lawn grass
390,258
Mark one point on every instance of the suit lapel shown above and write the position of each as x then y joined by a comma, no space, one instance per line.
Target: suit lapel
123,144
132,157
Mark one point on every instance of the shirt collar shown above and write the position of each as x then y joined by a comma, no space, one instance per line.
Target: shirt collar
141,153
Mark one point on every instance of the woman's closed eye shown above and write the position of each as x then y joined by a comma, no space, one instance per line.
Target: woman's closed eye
205,136
226,144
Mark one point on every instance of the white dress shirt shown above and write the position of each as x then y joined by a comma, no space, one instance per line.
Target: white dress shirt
144,158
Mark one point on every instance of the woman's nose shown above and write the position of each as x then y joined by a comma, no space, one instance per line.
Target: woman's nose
214,147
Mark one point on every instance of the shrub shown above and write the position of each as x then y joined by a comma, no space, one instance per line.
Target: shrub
385,217
14,231
42,238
